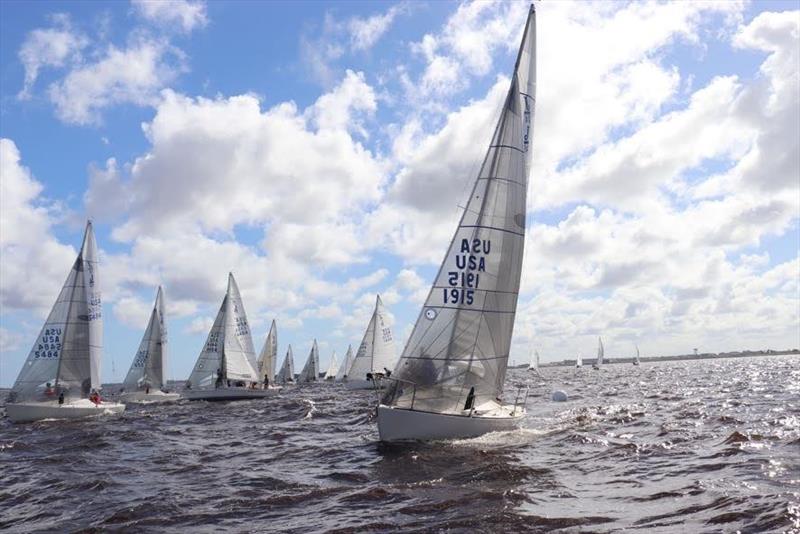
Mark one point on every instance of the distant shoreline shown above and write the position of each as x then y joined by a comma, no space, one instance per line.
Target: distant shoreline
670,358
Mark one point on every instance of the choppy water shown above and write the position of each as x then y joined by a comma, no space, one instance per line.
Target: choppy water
703,446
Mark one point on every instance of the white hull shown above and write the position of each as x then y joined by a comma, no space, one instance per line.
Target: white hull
364,384
154,396
35,411
396,424
229,394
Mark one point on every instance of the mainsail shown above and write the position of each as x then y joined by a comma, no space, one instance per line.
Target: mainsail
228,352
348,361
69,348
460,343
637,361
150,362
333,368
310,372
286,373
535,361
600,352
376,352
269,355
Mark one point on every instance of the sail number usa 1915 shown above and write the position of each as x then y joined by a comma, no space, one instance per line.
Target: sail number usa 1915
470,262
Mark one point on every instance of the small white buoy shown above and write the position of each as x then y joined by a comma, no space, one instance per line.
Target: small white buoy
559,396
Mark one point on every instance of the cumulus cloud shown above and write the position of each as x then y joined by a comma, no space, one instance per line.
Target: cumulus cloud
365,32
186,14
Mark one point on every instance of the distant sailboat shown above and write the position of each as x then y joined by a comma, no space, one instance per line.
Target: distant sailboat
286,374
310,372
268,357
348,361
579,360
600,353
451,373
534,365
333,368
146,379
376,353
226,367
636,360
62,372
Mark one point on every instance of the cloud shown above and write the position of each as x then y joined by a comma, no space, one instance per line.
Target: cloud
34,261
365,32
49,47
186,14
132,75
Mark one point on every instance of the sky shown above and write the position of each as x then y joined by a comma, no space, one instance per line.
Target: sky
321,152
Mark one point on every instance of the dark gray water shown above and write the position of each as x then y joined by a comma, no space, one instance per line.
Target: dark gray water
701,446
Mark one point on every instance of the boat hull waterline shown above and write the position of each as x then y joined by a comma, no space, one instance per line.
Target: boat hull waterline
402,424
229,394
28,412
153,397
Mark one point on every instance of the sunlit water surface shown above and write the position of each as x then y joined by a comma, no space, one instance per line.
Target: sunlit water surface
699,446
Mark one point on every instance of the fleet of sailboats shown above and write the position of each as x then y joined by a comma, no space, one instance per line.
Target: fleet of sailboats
452,370
60,379
146,379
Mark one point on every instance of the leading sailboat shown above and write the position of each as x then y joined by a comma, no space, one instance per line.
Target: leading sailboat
226,367
61,377
450,376
146,379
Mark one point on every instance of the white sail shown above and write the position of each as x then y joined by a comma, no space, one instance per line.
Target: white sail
348,362
459,347
269,355
68,350
286,374
310,372
150,362
600,352
637,361
333,368
228,352
376,353
535,360
579,361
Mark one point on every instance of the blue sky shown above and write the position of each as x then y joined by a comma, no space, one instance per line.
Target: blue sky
320,151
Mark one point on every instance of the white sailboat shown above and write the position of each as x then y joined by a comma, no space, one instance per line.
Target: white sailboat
376,354
451,373
600,354
579,360
146,379
341,375
333,369
226,367
286,374
534,365
62,371
310,372
268,357
636,360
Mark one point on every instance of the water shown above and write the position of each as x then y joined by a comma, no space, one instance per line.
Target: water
702,446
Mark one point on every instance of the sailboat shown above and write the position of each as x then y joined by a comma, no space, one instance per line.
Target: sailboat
286,374
636,360
268,357
341,375
534,365
600,354
451,373
375,354
62,371
226,367
333,368
146,378
310,372
579,360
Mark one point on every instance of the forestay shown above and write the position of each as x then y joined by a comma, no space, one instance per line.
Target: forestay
376,352
150,362
286,373
68,350
310,372
462,337
269,355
